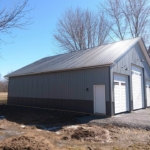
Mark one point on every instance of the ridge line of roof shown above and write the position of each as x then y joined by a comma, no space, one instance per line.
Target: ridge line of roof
62,58
138,39
93,47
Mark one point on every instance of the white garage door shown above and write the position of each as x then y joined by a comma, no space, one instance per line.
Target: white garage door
148,93
137,87
121,93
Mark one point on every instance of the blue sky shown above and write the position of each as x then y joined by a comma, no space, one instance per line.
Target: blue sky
26,46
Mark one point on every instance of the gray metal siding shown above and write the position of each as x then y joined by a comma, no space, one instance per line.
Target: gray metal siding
60,85
131,57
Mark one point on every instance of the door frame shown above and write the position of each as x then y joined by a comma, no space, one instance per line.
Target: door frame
142,86
127,91
146,80
94,86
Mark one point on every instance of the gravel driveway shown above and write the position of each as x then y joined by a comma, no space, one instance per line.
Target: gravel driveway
136,119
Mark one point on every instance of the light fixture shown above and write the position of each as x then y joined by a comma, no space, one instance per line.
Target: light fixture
126,68
142,60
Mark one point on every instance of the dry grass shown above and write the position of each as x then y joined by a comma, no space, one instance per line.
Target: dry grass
3,97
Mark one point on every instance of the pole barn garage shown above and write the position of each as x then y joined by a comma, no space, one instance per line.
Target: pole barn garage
108,79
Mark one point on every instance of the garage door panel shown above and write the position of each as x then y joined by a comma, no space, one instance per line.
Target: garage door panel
120,93
137,88
148,93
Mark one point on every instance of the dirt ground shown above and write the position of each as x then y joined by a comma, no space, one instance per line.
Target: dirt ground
37,129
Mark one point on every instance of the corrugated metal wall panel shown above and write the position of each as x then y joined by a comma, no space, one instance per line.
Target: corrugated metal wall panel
29,86
62,85
10,87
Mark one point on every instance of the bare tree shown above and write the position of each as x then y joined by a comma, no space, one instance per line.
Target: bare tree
80,29
127,18
14,17
137,14
4,86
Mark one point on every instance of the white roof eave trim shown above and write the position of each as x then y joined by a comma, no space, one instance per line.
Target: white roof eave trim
141,43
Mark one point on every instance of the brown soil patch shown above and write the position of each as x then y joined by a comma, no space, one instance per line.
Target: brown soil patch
25,143
88,133
139,146
82,133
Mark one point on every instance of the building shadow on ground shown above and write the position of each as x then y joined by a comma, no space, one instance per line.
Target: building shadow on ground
45,119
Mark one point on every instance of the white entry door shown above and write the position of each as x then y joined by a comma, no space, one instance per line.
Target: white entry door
148,93
121,97
137,88
99,99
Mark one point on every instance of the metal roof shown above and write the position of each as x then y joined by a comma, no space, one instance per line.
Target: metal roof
98,56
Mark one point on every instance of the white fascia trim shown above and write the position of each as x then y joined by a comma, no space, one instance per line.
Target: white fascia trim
144,51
